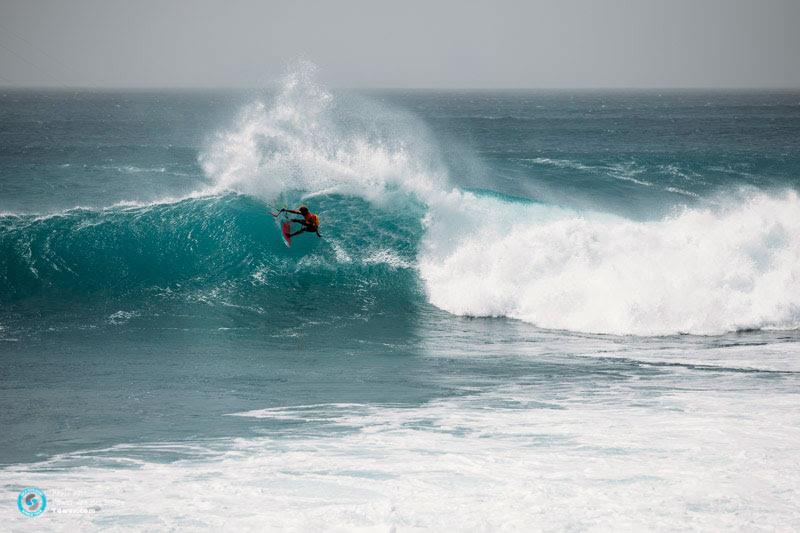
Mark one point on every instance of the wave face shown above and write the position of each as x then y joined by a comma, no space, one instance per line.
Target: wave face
207,257
411,220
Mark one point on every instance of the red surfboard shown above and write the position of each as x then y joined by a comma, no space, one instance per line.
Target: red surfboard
282,219
286,233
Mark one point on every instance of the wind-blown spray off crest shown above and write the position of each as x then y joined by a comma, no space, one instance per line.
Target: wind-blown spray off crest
309,141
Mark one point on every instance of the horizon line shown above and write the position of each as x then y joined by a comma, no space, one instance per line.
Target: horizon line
66,88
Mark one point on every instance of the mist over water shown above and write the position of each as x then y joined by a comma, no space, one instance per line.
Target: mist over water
537,301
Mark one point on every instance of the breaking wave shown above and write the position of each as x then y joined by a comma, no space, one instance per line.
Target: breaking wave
388,201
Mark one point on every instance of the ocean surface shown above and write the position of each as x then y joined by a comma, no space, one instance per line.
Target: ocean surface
529,310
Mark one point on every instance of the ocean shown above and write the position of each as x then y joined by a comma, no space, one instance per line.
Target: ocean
548,310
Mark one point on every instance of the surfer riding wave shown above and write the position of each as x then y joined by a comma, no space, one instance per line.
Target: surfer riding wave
310,221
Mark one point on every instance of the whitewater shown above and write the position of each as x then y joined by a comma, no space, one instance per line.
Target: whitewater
528,310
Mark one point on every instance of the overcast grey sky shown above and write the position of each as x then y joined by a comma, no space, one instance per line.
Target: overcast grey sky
404,43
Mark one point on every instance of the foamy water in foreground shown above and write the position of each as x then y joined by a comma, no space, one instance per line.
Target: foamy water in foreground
645,447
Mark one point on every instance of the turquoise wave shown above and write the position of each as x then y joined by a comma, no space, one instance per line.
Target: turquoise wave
226,242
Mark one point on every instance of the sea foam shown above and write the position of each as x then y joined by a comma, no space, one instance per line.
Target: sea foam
701,271
515,457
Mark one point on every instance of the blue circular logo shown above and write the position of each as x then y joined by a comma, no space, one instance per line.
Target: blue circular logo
31,502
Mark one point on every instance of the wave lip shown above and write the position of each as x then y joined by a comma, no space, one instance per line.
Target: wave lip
308,141
700,272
